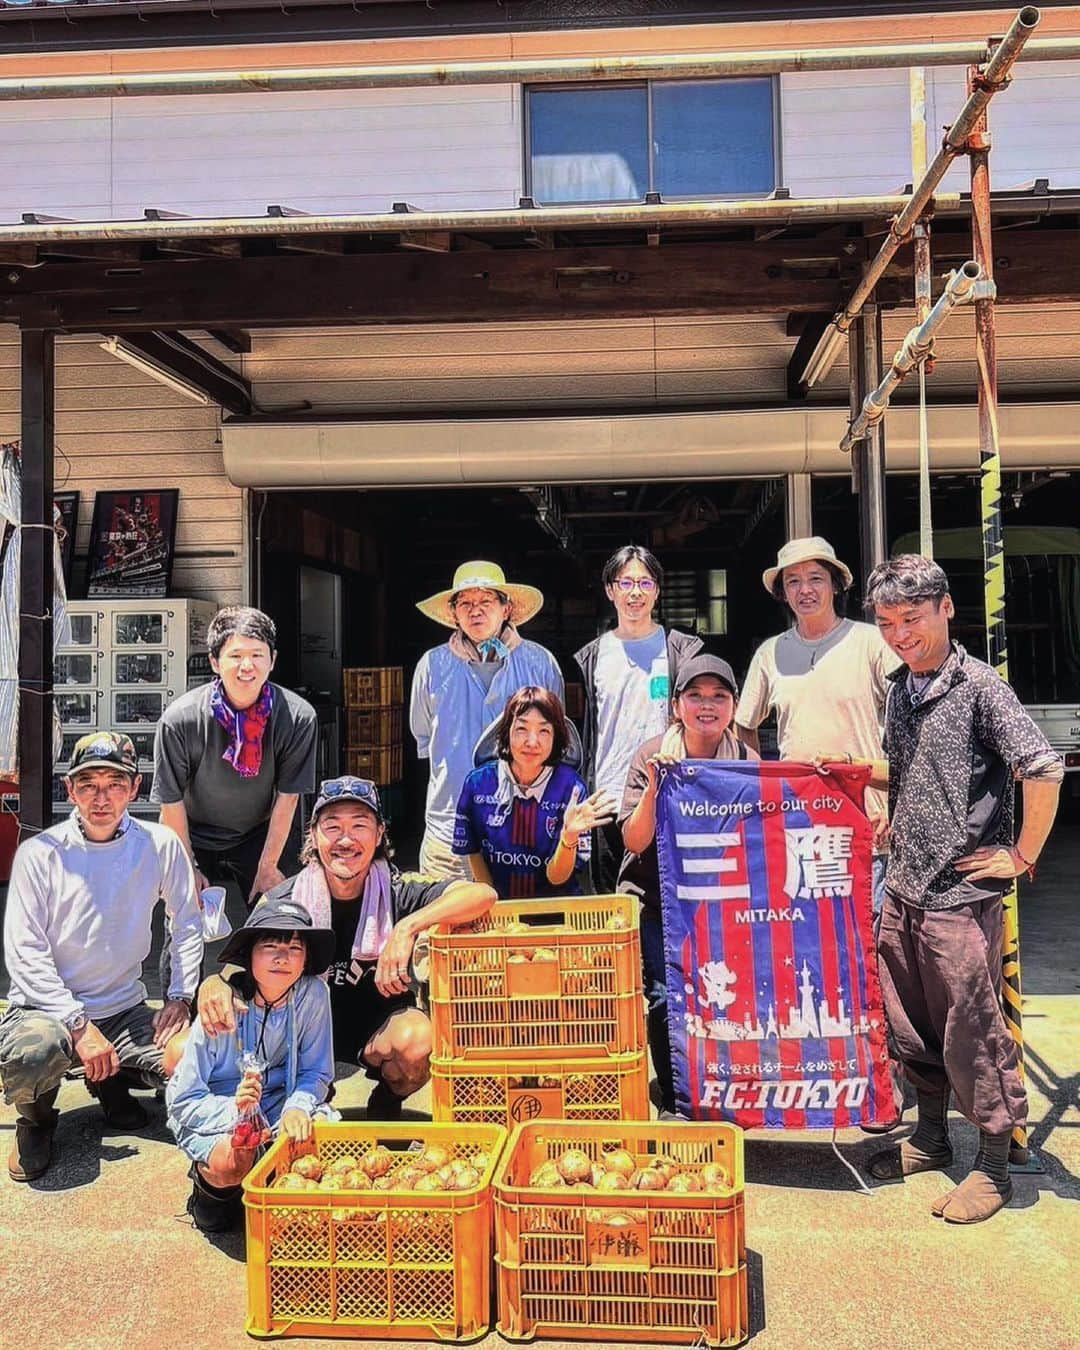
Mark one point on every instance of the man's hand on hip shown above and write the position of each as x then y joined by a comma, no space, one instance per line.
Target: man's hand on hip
995,861
98,1054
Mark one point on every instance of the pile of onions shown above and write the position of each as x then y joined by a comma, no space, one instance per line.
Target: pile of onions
618,1170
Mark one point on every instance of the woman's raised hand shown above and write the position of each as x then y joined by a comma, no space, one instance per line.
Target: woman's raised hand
582,816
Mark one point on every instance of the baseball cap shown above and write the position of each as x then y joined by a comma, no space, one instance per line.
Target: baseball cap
104,750
348,789
706,665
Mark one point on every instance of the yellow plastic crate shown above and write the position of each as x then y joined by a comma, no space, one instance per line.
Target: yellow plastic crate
626,1265
387,1264
552,978
514,1091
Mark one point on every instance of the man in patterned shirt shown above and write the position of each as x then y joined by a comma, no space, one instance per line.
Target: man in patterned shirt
956,737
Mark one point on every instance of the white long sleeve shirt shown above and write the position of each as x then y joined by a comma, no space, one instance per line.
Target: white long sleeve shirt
77,925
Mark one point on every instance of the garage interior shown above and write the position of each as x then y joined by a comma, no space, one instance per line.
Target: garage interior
376,552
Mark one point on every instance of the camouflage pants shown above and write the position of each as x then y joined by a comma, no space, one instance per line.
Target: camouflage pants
36,1051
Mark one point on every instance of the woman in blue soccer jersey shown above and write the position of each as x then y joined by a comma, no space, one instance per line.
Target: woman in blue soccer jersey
525,820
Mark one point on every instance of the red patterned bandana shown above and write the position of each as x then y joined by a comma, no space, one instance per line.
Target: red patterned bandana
245,729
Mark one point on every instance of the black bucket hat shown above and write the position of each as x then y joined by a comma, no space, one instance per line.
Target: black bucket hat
281,914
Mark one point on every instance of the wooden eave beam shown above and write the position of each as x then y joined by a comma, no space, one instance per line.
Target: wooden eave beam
782,276
176,353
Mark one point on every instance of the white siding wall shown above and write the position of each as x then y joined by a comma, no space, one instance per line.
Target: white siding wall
235,154
842,133
115,428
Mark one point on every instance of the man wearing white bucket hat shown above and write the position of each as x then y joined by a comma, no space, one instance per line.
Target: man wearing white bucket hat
825,677
461,687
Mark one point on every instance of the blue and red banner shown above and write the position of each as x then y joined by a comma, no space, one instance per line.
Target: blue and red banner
774,1007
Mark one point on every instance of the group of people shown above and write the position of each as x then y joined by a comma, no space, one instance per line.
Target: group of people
519,804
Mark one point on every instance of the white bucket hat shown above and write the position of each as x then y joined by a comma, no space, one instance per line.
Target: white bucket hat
814,549
525,601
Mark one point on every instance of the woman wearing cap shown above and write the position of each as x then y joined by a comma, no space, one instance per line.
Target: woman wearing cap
461,687
706,697
375,914
280,1061
525,818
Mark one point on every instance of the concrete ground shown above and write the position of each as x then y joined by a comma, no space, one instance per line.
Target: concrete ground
100,1253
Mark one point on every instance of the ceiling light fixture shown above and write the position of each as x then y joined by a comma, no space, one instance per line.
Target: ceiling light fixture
116,347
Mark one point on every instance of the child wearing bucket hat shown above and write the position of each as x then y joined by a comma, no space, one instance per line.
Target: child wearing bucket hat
460,688
280,1062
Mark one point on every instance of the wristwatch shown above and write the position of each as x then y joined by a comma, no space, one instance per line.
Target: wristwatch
77,1022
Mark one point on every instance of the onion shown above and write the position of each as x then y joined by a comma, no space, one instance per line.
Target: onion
309,1166
613,1181
357,1180
684,1182
574,1165
465,1180
618,1160
716,1177
650,1179
377,1161
433,1157
342,1165
430,1182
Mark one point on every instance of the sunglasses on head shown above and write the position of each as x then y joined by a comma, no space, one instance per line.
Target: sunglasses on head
360,788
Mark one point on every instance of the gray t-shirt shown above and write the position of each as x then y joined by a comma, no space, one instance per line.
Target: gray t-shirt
223,808
633,698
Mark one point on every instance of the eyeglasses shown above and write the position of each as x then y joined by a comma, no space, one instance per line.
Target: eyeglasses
485,602
645,585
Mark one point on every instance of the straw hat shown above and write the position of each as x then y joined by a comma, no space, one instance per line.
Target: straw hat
525,601
814,549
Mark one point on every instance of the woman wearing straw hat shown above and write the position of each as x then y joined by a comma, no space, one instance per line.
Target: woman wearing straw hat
461,687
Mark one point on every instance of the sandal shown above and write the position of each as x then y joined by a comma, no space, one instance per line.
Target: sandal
894,1164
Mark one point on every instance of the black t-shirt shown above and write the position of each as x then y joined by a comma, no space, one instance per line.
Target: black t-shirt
357,1007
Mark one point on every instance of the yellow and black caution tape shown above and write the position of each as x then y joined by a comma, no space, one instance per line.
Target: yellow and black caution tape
998,657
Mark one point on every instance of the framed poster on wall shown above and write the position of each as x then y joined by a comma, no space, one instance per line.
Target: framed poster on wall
67,503
132,541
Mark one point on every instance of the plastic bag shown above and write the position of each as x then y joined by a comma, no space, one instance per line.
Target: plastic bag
252,1128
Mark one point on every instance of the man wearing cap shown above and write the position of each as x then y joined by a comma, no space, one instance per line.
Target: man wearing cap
461,687
825,677
76,934
377,913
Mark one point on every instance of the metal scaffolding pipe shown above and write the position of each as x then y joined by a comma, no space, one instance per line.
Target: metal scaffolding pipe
681,66
772,210
916,347
994,77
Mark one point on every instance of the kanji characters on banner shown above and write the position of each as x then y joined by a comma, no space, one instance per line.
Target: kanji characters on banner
775,1012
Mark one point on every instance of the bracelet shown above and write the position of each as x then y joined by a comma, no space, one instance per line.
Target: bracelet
1028,864
565,843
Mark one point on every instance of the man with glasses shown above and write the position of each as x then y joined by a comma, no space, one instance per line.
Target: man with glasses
460,689
377,913
629,674
76,934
